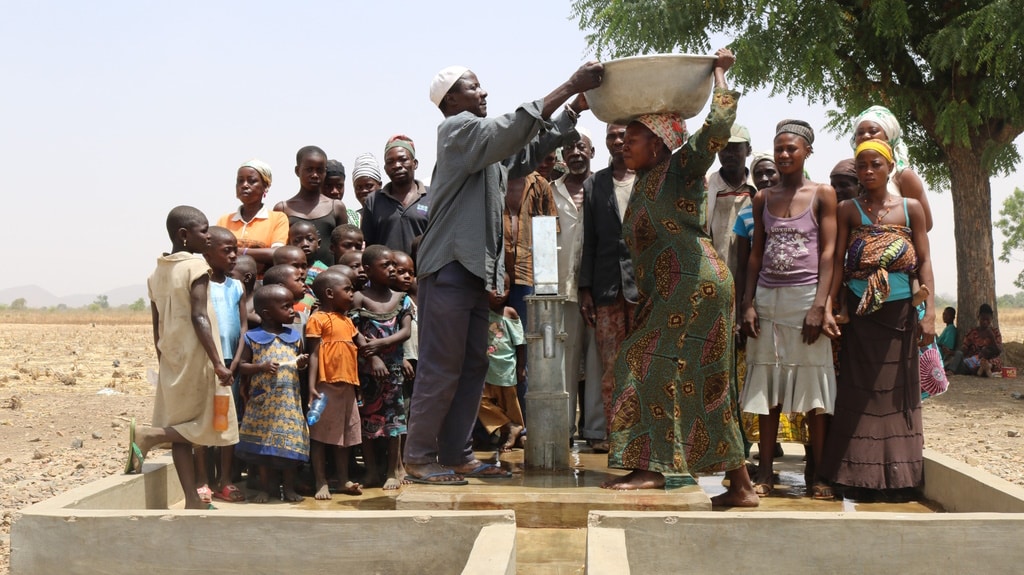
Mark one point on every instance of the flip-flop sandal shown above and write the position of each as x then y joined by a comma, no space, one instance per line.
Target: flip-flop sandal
822,492
135,458
205,494
763,489
230,493
483,471
429,479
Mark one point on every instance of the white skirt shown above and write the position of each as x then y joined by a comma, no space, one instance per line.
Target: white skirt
781,368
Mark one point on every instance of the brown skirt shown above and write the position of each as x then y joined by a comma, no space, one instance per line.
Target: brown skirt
875,440
339,424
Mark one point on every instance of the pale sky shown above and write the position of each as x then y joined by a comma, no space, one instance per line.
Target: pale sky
114,112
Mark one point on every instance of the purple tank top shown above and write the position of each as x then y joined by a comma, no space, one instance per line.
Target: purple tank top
790,250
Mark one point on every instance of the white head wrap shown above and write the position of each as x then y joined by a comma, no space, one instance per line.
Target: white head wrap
262,168
759,157
891,126
443,81
366,165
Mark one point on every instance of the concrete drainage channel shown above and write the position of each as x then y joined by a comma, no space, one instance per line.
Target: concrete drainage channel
122,524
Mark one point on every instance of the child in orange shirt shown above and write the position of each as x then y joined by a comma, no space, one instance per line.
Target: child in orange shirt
332,340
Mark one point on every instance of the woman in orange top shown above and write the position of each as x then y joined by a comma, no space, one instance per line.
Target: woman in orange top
259,231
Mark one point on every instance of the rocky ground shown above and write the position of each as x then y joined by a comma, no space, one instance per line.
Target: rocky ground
67,393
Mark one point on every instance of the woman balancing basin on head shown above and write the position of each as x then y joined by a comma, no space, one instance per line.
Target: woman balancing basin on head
671,405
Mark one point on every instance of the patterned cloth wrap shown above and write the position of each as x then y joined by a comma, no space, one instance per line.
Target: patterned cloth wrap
874,252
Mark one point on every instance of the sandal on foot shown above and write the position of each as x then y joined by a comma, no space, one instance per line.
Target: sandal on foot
230,493
205,494
488,471
763,489
135,458
437,478
822,492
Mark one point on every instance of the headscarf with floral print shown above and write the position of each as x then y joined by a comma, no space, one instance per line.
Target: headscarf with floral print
669,127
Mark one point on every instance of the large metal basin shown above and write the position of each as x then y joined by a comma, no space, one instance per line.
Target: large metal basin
652,84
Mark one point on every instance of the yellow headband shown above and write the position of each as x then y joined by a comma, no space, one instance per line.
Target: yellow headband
876,145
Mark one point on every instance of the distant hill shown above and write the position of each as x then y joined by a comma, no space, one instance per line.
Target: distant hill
38,297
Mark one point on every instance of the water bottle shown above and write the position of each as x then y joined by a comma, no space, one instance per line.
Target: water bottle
221,405
316,409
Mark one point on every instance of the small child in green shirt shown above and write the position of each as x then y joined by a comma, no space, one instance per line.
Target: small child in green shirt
500,413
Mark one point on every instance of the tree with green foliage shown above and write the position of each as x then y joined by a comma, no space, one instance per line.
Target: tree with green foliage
19,304
1011,224
137,305
101,302
950,71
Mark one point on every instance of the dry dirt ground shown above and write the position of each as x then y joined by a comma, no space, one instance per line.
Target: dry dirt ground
67,393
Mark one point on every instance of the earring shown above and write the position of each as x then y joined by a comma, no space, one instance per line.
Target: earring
184,243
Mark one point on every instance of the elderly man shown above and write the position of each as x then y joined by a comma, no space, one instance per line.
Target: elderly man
461,258
580,341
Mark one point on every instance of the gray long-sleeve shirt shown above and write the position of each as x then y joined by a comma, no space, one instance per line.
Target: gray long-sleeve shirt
475,159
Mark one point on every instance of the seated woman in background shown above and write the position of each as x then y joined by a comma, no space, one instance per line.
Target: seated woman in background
979,353
947,339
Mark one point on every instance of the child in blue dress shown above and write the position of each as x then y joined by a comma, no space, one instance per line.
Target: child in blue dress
273,434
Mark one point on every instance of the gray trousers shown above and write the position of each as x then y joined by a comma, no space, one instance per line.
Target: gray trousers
581,344
451,368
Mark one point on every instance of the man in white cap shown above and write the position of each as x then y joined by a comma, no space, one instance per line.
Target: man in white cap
730,189
460,258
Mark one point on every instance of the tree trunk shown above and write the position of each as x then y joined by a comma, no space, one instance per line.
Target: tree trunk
972,227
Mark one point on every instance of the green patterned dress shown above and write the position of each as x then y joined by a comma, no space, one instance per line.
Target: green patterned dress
674,401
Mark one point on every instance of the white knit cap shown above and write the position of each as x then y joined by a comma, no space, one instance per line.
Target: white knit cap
443,81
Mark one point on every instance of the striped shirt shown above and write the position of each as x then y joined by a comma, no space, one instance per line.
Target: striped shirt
744,226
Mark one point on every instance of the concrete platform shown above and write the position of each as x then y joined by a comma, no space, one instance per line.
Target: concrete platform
971,522
553,499
537,523
127,525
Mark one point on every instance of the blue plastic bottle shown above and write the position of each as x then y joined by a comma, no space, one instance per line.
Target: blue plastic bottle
316,409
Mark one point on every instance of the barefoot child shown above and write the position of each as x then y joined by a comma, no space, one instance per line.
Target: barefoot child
296,257
346,238
354,260
332,340
273,434
228,299
405,282
192,367
303,235
293,279
245,272
383,319
506,352
789,273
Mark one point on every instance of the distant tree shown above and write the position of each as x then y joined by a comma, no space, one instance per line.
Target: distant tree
101,302
138,305
950,71
62,306
19,303
1011,224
